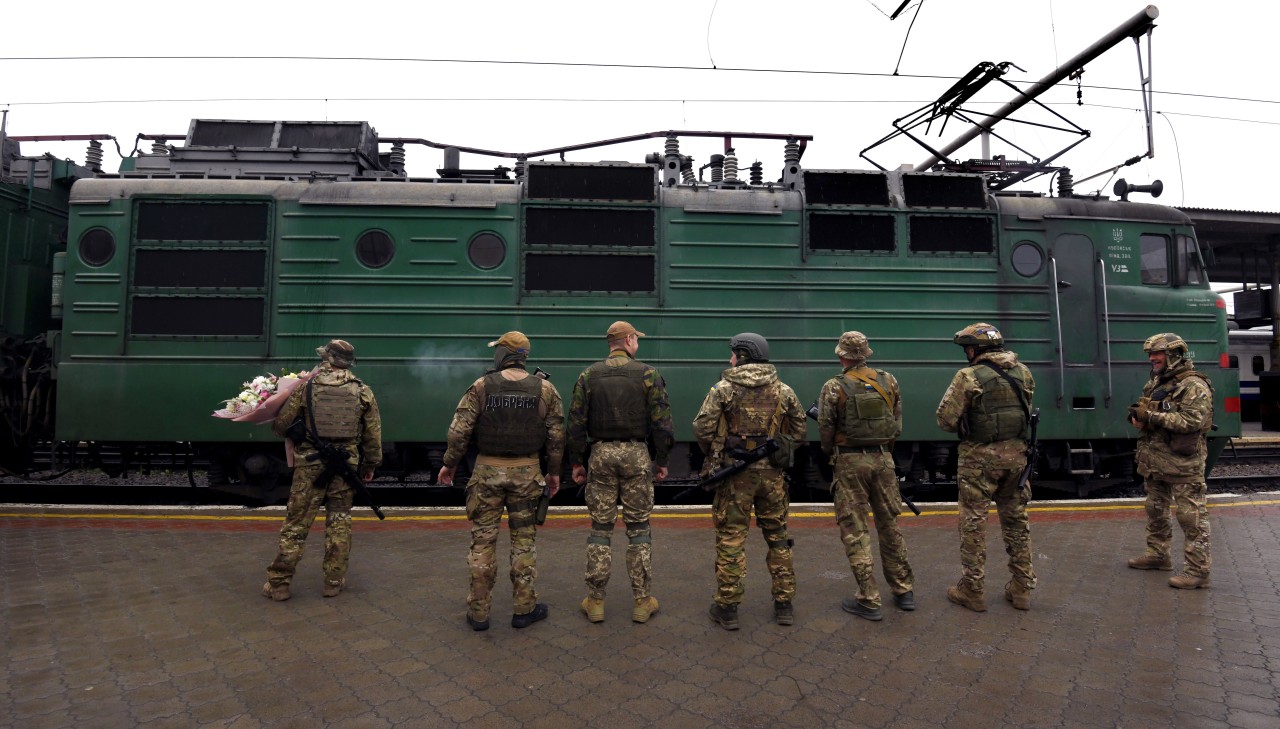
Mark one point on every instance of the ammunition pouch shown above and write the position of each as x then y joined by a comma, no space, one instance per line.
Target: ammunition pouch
785,456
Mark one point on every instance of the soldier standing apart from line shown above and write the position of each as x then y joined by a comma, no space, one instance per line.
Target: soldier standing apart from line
989,405
859,417
742,411
618,404
1174,414
514,417
340,409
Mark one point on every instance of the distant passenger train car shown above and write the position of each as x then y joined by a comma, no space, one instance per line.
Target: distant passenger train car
1250,354
241,251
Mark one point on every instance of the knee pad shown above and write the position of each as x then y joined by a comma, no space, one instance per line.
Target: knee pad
645,535
601,533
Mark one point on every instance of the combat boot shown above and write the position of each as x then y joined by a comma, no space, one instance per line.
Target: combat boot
966,598
854,607
1184,581
279,593
1151,562
783,613
539,612
331,589
645,607
725,615
477,624
1018,595
594,608
906,601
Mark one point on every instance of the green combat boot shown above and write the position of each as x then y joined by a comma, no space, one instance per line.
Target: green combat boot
725,615
783,613
966,598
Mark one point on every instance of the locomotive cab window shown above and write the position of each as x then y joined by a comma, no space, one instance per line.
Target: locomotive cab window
1155,259
1190,267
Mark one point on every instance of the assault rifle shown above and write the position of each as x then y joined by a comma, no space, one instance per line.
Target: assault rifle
742,459
812,412
1033,448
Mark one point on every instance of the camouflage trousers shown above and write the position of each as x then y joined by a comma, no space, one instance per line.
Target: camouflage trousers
489,491
866,482
764,490
1193,516
979,486
620,473
305,501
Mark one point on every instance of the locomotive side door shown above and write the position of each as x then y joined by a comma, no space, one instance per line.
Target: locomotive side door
1074,266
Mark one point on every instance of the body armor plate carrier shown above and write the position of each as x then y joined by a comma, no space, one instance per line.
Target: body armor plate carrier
867,416
511,417
336,409
750,416
617,408
997,414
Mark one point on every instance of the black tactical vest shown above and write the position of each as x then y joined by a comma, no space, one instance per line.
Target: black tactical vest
617,408
867,418
336,409
511,417
998,413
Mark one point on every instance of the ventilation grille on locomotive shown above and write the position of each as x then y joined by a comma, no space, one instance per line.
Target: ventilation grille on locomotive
592,182
951,234
944,191
220,221
846,188
835,231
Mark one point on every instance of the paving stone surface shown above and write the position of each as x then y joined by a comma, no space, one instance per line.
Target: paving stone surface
115,618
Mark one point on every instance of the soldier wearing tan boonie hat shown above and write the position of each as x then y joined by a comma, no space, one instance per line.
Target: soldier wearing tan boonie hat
854,346
338,353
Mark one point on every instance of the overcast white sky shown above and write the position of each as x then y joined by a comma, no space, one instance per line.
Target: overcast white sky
1200,48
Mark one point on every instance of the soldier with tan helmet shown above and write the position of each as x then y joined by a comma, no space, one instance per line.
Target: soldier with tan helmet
1173,416
341,410
859,418
989,405
514,418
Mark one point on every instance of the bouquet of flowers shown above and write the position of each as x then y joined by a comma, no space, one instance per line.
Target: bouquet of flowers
261,398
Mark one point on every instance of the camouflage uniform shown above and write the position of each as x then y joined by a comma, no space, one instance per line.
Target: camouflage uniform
305,498
513,483
987,472
865,479
620,471
1174,479
760,486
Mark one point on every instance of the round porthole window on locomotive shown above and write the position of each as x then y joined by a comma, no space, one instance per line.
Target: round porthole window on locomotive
487,250
375,249
97,247
1028,259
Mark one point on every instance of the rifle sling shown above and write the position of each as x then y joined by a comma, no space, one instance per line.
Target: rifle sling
871,383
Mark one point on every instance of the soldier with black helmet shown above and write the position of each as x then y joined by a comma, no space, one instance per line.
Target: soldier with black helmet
342,411
1174,415
746,408
620,405
859,418
989,405
514,418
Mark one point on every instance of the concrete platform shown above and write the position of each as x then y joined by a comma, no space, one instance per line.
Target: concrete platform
133,618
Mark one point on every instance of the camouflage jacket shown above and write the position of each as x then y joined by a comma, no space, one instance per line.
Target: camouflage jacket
830,411
655,388
707,428
464,421
368,448
959,397
1187,411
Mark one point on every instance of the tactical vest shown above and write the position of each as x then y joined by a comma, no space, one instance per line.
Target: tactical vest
617,408
1163,390
751,414
336,409
867,417
511,417
997,414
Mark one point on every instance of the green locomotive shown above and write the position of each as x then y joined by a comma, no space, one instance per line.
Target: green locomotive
237,253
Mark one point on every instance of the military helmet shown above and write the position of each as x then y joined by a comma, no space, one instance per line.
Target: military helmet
755,346
1164,342
979,335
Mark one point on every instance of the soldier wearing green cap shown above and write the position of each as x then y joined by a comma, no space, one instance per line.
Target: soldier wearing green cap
514,418
1173,416
342,411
